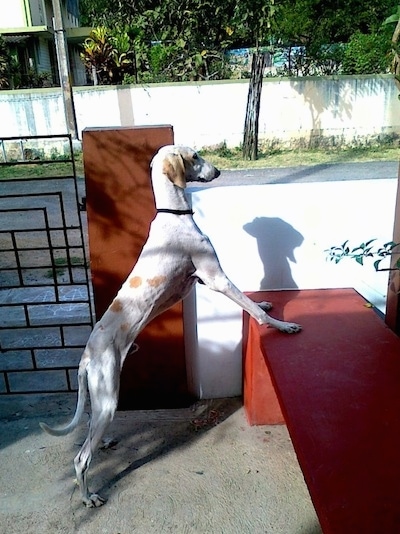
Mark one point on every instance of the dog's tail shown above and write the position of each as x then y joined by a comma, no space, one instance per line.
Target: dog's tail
82,394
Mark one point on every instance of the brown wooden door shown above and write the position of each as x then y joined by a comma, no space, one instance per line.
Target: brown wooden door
120,207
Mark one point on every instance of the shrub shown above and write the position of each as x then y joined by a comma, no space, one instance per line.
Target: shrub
4,62
367,54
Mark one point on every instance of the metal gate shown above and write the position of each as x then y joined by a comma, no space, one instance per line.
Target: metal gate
45,298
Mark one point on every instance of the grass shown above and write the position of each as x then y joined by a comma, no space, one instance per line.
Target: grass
224,158
227,158
46,170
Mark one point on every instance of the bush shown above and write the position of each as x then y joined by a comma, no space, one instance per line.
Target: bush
4,63
367,54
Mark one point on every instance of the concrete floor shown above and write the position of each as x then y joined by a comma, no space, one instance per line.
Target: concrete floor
199,470
171,471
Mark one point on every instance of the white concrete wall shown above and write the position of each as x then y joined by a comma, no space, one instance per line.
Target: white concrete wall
202,114
274,237
32,112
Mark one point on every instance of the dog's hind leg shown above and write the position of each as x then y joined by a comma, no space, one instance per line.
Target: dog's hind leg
103,381
83,459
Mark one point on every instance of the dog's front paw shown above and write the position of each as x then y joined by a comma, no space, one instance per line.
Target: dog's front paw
265,305
290,328
94,501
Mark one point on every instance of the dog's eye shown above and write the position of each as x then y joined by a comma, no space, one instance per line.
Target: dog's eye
195,156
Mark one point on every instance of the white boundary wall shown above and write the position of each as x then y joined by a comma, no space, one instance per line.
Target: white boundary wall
343,109
275,237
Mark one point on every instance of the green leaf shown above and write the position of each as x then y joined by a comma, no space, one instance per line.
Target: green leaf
392,19
391,245
376,264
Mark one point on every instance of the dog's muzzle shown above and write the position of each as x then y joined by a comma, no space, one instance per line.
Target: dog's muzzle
216,174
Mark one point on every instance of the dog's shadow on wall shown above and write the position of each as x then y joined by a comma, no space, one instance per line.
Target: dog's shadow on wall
276,242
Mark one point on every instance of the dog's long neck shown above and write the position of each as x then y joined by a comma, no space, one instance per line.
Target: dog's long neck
166,194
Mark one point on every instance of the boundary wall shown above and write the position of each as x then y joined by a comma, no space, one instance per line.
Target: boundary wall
335,110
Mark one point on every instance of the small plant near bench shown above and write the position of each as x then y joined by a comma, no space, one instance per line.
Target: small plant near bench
364,251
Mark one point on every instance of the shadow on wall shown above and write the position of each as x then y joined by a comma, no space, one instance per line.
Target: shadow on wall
333,96
343,99
276,241
120,207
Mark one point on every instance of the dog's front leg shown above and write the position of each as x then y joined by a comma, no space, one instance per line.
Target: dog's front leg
218,281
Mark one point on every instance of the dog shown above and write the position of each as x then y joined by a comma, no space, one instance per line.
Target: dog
175,256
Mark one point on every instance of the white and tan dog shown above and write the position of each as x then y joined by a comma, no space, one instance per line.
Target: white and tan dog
175,256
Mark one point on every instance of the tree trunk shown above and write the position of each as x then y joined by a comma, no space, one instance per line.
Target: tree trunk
396,58
250,138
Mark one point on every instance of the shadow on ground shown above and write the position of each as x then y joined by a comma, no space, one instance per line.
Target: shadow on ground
196,470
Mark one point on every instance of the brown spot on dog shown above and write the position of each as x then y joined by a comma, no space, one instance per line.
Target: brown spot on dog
116,306
124,327
135,281
156,281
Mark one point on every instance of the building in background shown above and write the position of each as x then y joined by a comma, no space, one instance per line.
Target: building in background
27,29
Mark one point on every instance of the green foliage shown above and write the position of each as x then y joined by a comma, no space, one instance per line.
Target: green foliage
395,66
324,61
367,54
159,56
36,80
4,63
318,24
364,251
178,40
187,39
254,19
394,18
108,55
11,76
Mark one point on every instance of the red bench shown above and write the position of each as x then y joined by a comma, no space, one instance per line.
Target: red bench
337,387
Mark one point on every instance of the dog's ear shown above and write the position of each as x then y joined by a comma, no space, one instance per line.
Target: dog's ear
174,168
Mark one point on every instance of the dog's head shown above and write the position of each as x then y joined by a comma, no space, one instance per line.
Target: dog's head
182,164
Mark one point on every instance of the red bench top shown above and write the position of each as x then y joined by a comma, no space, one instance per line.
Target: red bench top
338,386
